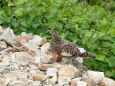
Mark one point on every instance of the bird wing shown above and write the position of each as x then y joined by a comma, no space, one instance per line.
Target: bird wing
69,49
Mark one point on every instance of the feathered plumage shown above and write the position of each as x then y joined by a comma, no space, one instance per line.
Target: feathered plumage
66,48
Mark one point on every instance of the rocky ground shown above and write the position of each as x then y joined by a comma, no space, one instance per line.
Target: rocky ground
25,61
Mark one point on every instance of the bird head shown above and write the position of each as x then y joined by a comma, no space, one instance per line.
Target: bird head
53,33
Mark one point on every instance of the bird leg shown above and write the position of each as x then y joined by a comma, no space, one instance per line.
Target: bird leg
69,61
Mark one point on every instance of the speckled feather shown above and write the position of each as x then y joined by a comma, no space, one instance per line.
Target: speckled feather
65,48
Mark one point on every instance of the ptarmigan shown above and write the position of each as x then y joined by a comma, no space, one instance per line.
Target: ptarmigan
65,48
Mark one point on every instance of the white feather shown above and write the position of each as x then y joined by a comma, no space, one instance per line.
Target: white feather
82,50
66,54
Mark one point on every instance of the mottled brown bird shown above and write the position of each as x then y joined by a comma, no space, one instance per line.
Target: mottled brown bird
65,48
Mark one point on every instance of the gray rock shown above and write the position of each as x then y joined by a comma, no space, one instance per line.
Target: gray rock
68,71
95,76
76,79
78,63
4,64
4,67
80,60
35,83
8,36
39,77
51,72
37,40
3,45
23,58
53,80
64,81
45,48
5,58
81,83
107,82
43,58
24,34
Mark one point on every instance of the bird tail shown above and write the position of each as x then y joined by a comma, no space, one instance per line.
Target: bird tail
86,54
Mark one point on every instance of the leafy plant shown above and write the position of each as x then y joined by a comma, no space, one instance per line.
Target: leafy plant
91,27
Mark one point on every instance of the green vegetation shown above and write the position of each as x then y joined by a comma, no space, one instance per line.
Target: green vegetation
90,26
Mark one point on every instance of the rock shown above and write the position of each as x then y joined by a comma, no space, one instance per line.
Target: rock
39,77
13,67
22,41
51,72
76,79
37,40
45,48
0,59
107,82
4,67
95,76
8,36
77,82
68,71
6,59
25,46
81,83
79,59
24,34
23,58
35,83
13,50
73,84
19,43
52,76
4,64
1,30
5,79
32,72
49,85
46,66
18,74
2,81
3,45
56,58
53,80
25,38
92,77
17,82
78,63
64,81
91,82
12,56
43,58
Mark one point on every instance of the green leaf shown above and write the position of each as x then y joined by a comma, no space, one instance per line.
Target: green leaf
112,32
10,4
20,1
100,57
110,73
19,12
111,61
63,35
